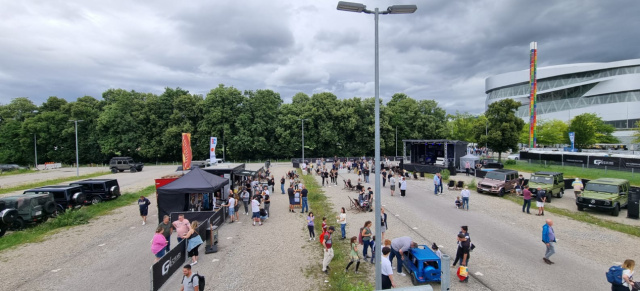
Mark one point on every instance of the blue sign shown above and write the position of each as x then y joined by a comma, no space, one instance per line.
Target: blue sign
572,138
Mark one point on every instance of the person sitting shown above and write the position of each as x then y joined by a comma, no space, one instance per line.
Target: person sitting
263,215
458,202
359,187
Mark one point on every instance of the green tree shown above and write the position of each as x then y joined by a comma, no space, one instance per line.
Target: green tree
636,133
552,132
460,126
504,127
590,129
121,124
222,106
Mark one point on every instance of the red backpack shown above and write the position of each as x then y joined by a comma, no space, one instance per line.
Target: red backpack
322,237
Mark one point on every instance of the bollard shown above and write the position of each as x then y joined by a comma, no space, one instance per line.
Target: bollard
445,278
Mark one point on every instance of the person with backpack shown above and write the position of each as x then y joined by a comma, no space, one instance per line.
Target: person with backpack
549,239
190,281
365,233
328,249
621,277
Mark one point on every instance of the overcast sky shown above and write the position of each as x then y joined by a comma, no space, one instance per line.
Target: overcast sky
444,51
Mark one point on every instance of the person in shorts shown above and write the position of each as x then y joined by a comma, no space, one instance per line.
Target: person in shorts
541,197
255,209
232,208
577,187
144,203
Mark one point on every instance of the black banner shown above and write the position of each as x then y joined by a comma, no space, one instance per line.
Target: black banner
218,218
172,261
551,157
627,163
575,159
604,162
198,216
529,156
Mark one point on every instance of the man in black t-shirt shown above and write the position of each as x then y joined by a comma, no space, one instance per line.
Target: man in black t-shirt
305,204
541,198
291,197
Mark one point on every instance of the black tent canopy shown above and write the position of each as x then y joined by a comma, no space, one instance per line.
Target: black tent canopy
174,197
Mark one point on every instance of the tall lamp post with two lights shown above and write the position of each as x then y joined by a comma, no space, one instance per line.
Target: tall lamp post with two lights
394,9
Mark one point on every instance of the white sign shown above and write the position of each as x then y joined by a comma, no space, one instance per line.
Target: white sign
212,150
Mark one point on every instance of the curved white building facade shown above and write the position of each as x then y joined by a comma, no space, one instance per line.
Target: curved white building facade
611,90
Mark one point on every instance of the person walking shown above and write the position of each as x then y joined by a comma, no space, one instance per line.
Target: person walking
167,230
467,167
159,243
440,186
399,246
403,187
245,200
392,184
386,270
342,220
383,222
541,198
182,226
526,195
577,187
144,203
353,255
311,225
190,282
328,249
384,177
436,183
549,240
193,242
255,209
627,276
267,203
465,197
366,234
291,194
282,180
464,247
305,202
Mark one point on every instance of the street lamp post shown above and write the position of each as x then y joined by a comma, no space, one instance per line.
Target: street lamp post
303,119
394,9
35,149
396,142
77,158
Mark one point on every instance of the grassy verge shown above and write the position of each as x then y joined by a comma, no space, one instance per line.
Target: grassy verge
16,172
573,172
338,279
584,217
50,182
40,232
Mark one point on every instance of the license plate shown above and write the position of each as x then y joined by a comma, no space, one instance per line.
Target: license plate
38,212
591,205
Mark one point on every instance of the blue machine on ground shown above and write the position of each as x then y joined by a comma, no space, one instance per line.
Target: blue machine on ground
423,265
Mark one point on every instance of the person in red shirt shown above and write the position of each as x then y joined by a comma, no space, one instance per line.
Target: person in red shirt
328,250
526,194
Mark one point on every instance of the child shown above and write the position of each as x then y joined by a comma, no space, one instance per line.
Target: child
353,255
458,202
435,249
372,243
324,224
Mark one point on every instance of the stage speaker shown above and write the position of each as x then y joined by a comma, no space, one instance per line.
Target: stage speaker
401,164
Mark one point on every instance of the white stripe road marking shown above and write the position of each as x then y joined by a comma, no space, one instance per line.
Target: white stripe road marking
415,227
478,274
101,245
215,260
229,237
397,215
440,246
56,270
132,227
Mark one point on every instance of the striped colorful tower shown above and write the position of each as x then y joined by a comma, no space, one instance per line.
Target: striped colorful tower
533,82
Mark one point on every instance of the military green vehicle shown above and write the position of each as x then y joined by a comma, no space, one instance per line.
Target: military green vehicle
606,194
551,182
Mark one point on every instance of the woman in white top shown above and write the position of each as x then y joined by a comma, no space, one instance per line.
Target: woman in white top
392,184
342,220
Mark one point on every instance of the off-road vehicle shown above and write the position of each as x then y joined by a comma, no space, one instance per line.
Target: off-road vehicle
498,182
121,164
551,182
98,190
17,211
491,164
65,197
607,194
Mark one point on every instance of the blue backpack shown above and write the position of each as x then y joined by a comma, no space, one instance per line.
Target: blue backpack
614,275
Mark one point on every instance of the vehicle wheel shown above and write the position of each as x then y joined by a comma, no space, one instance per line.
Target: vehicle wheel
549,198
133,170
115,190
616,210
3,230
49,207
96,199
580,208
501,193
414,281
17,224
114,170
561,193
8,216
59,211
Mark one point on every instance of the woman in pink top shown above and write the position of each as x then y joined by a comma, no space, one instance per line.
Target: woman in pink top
158,243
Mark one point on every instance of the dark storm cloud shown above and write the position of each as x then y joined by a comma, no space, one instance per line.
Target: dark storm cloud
443,52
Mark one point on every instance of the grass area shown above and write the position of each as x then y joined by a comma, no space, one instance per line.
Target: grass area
50,182
338,279
584,217
71,218
573,172
16,172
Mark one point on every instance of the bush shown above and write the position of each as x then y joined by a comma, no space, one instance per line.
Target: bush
510,162
445,174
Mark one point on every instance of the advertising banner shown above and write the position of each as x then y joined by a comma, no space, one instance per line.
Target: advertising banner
602,162
575,159
212,150
572,138
186,151
162,270
627,163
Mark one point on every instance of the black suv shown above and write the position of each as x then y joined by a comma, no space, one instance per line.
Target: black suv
70,196
121,164
98,190
16,211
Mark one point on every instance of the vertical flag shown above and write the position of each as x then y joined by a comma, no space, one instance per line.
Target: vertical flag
212,150
186,151
533,82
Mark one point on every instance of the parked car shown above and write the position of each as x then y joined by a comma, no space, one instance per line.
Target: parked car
491,164
70,196
121,164
20,210
423,265
513,157
498,182
551,182
98,190
11,167
607,194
